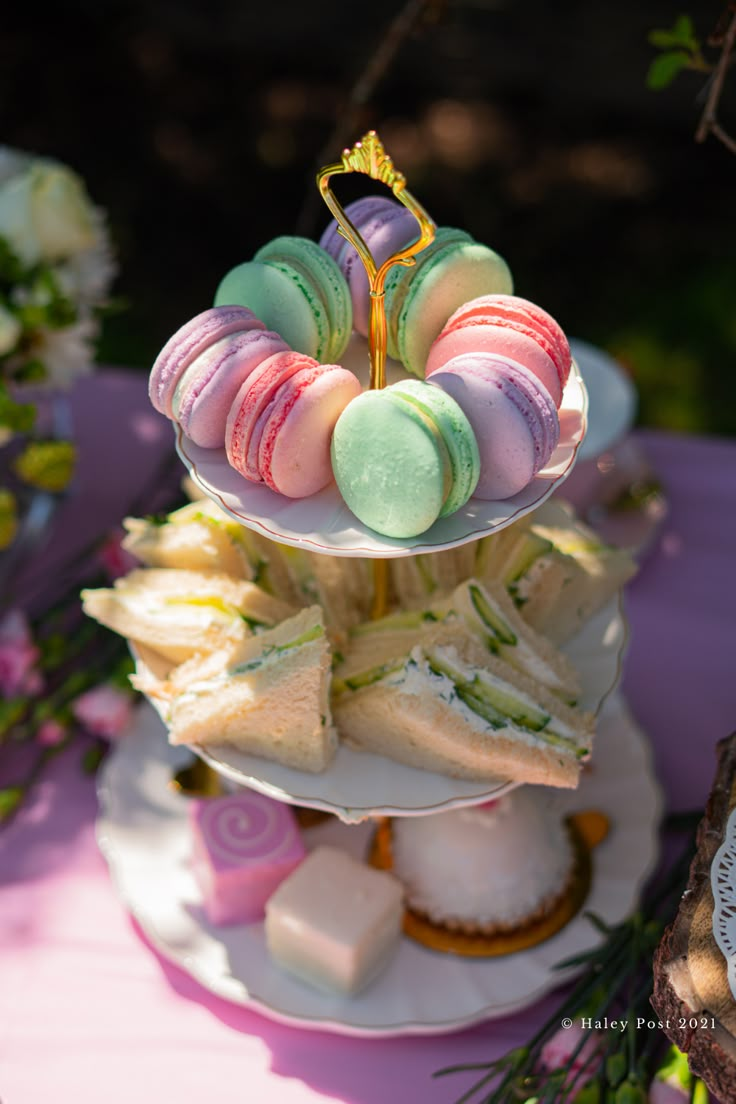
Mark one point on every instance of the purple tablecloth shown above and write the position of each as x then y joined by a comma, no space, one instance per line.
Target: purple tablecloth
89,1013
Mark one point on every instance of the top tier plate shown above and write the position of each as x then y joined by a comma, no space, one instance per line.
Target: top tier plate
323,523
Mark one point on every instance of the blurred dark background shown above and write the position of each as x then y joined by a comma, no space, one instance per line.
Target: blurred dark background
199,128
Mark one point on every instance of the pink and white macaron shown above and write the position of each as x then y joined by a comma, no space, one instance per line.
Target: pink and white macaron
280,425
511,327
512,415
199,371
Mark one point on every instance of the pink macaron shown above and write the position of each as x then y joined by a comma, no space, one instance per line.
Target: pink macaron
189,341
513,416
511,327
280,425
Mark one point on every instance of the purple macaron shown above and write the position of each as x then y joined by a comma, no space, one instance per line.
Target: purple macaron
512,415
189,341
386,227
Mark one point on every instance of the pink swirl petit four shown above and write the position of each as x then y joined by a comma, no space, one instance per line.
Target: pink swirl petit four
243,846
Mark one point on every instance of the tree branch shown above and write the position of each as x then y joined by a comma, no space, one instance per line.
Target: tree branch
709,121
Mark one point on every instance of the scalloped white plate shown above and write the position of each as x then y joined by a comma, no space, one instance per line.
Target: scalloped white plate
323,523
357,784
143,833
612,398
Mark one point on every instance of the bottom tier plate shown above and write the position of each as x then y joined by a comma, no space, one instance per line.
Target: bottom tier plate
143,832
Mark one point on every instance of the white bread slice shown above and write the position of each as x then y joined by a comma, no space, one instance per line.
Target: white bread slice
489,612
419,580
416,713
595,573
197,537
179,613
268,697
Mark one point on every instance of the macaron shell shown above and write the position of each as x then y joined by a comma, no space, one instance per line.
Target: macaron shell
387,465
188,342
400,279
444,278
523,315
251,400
514,420
294,450
475,337
277,298
386,227
318,274
207,389
457,435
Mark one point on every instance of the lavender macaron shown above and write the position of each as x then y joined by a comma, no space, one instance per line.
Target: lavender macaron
386,227
512,414
202,366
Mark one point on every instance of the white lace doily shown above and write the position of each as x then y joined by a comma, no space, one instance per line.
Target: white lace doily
723,882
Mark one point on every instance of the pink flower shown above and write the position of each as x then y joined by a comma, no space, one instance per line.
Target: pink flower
114,558
18,654
557,1052
50,733
104,711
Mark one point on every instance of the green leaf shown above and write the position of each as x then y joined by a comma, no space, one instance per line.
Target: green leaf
589,1094
19,417
665,68
616,1066
8,518
630,1093
32,370
700,1093
12,270
93,757
48,465
12,710
682,34
10,799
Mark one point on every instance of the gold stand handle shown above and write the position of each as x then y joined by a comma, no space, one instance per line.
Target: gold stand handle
369,157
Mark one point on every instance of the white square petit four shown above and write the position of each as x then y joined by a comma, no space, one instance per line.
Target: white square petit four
334,921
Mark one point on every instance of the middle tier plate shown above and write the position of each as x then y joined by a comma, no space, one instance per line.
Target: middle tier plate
323,523
357,785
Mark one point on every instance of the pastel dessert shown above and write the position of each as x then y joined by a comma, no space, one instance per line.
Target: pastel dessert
488,869
268,696
280,425
190,341
179,613
450,706
297,289
513,417
243,846
512,327
403,457
334,922
386,227
419,299
195,380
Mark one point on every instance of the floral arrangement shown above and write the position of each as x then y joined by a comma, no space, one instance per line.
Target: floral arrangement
56,268
63,680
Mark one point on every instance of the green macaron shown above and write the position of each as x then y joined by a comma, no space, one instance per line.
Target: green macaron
403,457
451,271
296,289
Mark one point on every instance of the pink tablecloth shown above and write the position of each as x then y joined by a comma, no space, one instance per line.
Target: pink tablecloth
89,1014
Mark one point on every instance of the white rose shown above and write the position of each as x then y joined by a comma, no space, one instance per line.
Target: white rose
10,330
45,213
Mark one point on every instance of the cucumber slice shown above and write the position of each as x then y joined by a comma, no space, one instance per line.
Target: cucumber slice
490,618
